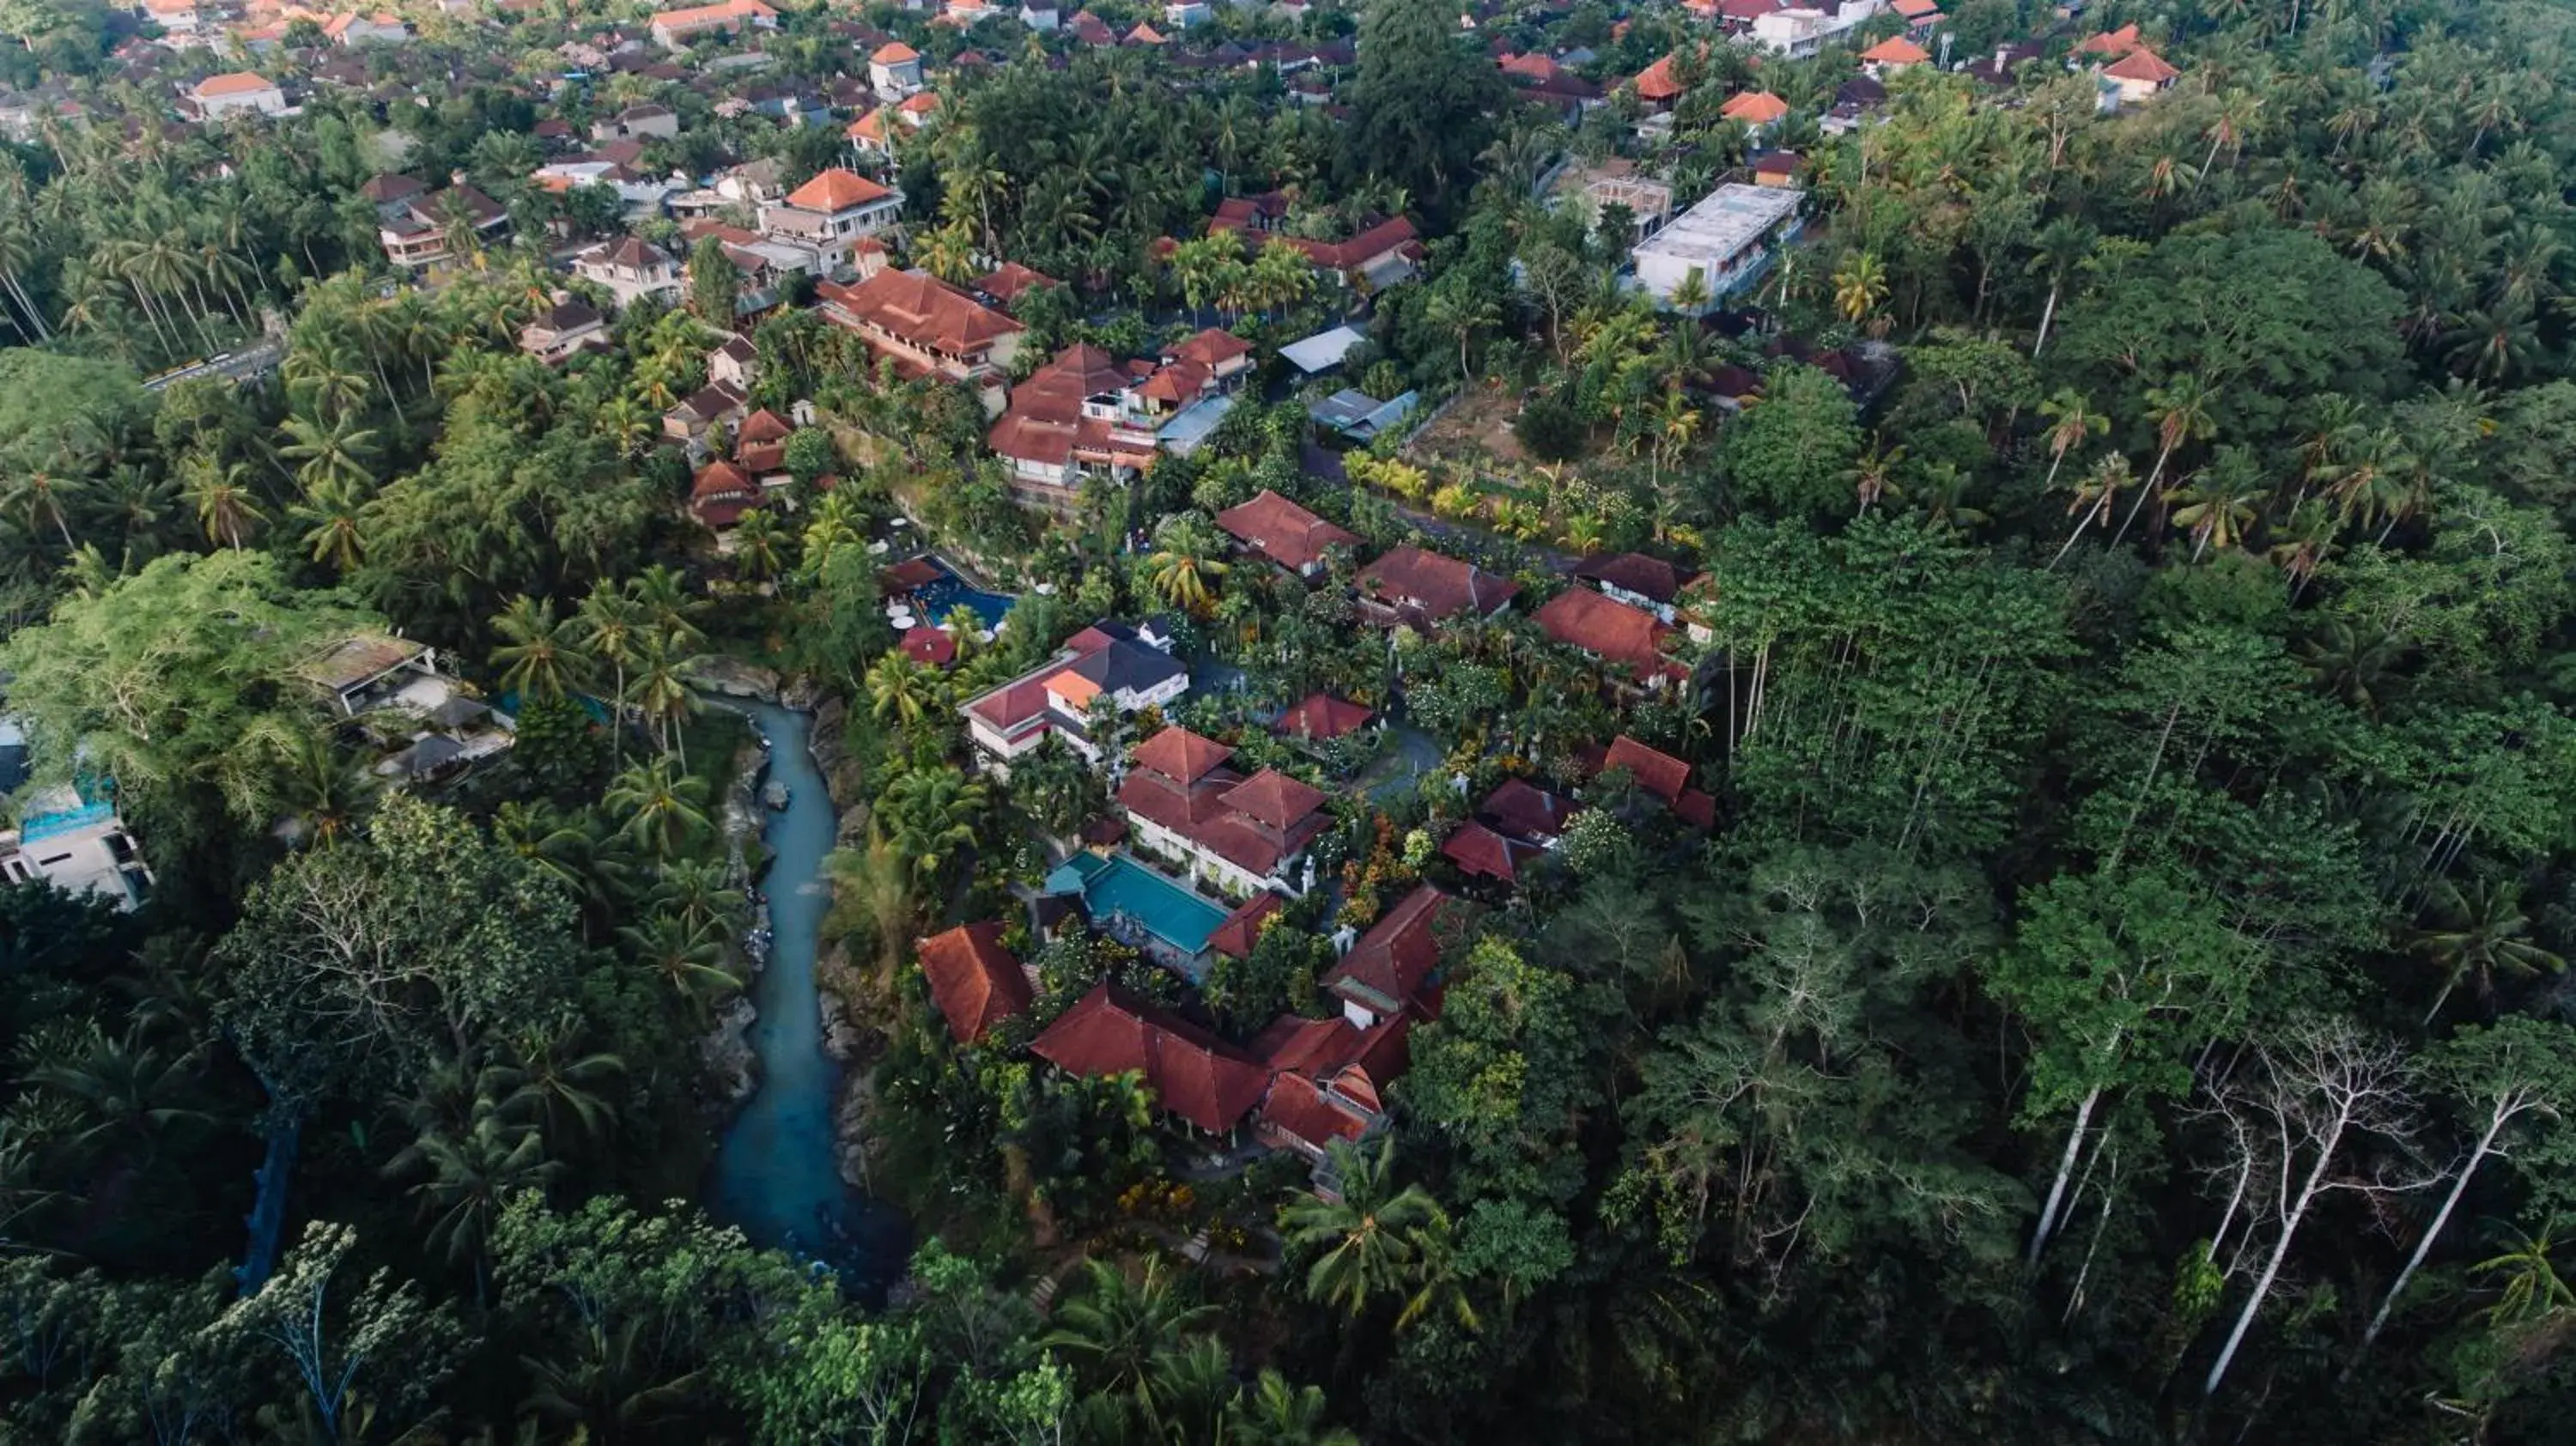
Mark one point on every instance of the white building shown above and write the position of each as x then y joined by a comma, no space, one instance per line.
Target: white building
1131,667
831,213
632,269
237,93
894,71
76,846
1804,29
1726,241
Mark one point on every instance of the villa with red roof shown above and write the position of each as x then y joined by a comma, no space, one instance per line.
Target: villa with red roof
677,29
894,70
1247,834
1893,54
1515,824
1279,531
1616,633
1664,778
1321,718
1080,415
1756,108
2136,78
1131,667
1210,1084
974,980
927,328
831,213
1408,587
1657,86
240,92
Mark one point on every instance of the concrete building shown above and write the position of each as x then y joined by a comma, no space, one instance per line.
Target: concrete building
240,92
1725,241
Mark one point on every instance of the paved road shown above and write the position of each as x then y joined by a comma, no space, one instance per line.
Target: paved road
249,364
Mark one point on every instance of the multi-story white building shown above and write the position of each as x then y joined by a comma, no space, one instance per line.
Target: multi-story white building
1725,241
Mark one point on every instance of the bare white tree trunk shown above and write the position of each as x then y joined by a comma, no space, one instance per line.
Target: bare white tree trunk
2065,1171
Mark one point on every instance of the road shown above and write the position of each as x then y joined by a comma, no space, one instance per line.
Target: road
247,365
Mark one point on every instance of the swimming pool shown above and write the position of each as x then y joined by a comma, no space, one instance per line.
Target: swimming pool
1118,888
935,599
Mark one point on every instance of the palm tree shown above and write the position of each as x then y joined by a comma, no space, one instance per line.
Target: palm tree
323,787
2477,933
117,1087
697,893
662,691
471,1176
900,690
690,963
41,494
552,1084
874,892
2533,1289
759,546
2216,512
2094,496
1873,474
2181,411
663,595
221,493
338,450
1114,1331
540,656
930,815
1184,561
1275,1413
612,628
611,1390
1860,287
333,532
1378,1242
2060,249
1461,311
663,807
2071,423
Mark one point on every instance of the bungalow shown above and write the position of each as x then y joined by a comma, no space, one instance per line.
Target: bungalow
637,122
1919,16
1657,86
678,29
1246,834
1090,29
1893,54
1615,633
712,405
1321,718
1515,825
236,93
1664,778
1005,284
735,362
1636,579
1326,1082
1383,252
1209,1084
1757,109
630,269
1279,531
832,212
1131,667
351,28
1039,15
392,195
894,70
1387,973
1408,587
566,329
928,328
181,24
1078,416
720,495
2135,78
974,980
1227,357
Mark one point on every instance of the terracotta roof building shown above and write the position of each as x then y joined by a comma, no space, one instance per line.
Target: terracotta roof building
1895,53
1241,930
973,979
676,28
1662,777
1321,718
1420,590
1636,579
1756,108
1247,833
1278,530
1079,415
1615,633
926,327
1111,1031
1388,971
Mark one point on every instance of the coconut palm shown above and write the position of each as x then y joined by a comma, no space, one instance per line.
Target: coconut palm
333,451
663,807
227,507
2071,423
1275,1413
2532,1289
118,1088
551,1083
1185,567
759,546
2218,510
612,630
330,515
697,893
900,690
1115,1329
1860,287
1377,1242
2181,411
2476,933
930,815
540,655
2094,494
690,963
40,494
323,788
471,1174
661,689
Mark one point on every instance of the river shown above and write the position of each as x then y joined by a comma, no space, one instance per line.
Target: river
777,1171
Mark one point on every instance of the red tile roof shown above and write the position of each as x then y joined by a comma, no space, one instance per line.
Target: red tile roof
2141,64
931,647
763,426
1297,1107
973,979
1656,82
1111,1031
1389,964
1478,850
835,190
1608,629
1282,531
1006,283
2110,42
1754,107
1896,50
1522,811
1433,587
1649,577
1274,798
894,52
1241,930
1212,349
1662,776
921,309
1180,755
1321,718
239,82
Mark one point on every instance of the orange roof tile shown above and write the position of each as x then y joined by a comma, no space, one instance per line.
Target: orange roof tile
239,82
1754,107
837,189
973,979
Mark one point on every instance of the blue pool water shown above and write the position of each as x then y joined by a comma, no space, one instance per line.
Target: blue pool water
777,1171
934,599
1119,886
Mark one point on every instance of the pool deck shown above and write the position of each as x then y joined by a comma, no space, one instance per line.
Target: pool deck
1120,887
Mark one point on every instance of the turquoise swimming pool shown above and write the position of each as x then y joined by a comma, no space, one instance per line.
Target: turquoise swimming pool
1121,892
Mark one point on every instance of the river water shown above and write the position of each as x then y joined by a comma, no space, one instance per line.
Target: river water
777,1171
